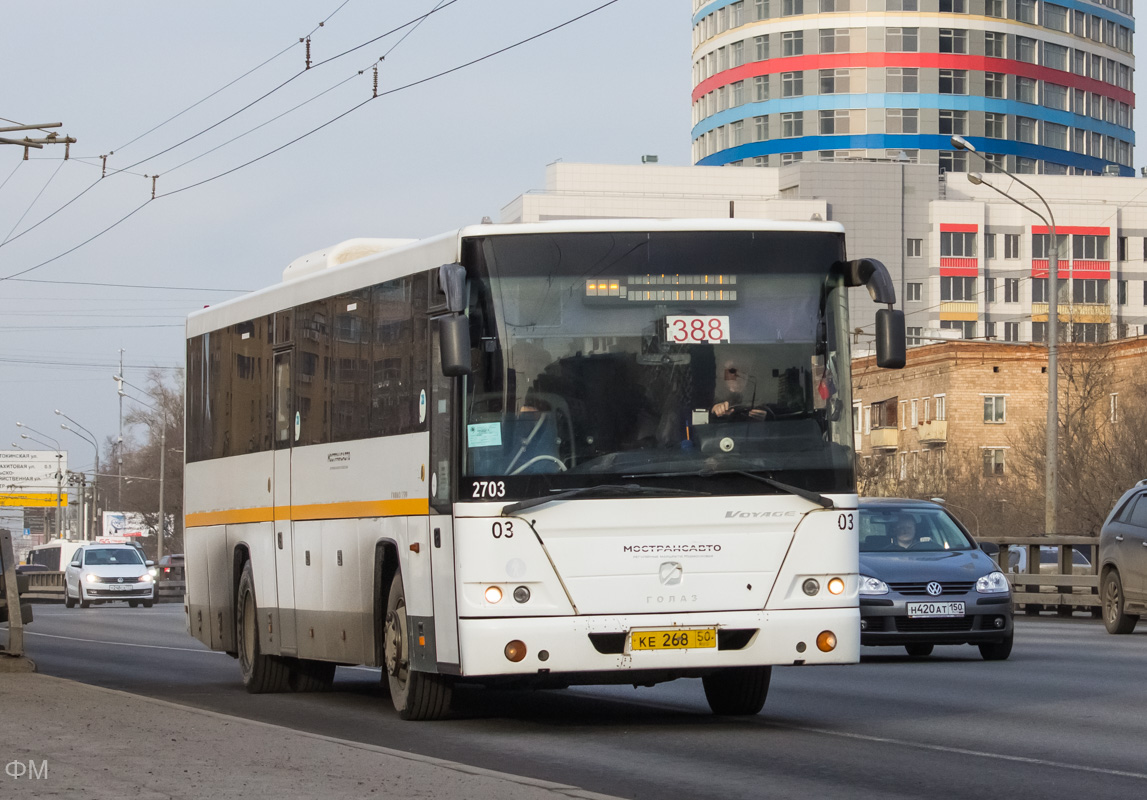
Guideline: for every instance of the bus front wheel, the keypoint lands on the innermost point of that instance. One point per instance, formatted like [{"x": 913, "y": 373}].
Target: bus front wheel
[
  {"x": 737, "y": 691},
  {"x": 416, "y": 695},
  {"x": 261, "y": 673}
]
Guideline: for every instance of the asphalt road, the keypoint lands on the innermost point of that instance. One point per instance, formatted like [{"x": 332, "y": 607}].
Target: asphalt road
[{"x": 1064, "y": 717}]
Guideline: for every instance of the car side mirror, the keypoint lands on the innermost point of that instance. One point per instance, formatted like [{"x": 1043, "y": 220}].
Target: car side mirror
[
  {"x": 991, "y": 548},
  {"x": 149, "y": 563}
]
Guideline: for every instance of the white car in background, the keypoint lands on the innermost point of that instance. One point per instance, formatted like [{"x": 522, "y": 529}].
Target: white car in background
[{"x": 105, "y": 573}]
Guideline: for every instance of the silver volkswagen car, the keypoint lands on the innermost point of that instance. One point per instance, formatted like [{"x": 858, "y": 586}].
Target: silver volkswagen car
[
  {"x": 102, "y": 573},
  {"x": 924, "y": 581}
]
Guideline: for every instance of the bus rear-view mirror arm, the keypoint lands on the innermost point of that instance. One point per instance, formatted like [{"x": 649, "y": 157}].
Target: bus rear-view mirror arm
[
  {"x": 891, "y": 345},
  {"x": 454, "y": 330}
]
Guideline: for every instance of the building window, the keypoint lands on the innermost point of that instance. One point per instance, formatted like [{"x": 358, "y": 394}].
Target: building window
[
  {"x": 792, "y": 43},
  {"x": 1026, "y": 130},
  {"x": 792, "y": 8},
  {"x": 995, "y": 84},
  {"x": 902, "y": 40},
  {"x": 953, "y": 122},
  {"x": 1055, "y": 56},
  {"x": 1055, "y": 96},
  {"x": 989, "y": 291},
  {"x": 1088, "y": 291},
  {"x": 915, "y": 414},
  {"x": 760, "y": 48},
  {"x": 1121, "y": 292},
  {"x": 953, "y": 81},
  {"x": 912, "y": 335},
  {"x": 1090, "y": 248},
  {"x": 1039, "y": 290},
  {"x": 834, "y": 81},
  {"x": 1011, "y": 245},
  {"x": 994, "y": 8},
  {"x": 1011, "y": 331},
  {"x": 993, "y": 462},
  {"x": 737, "y": 133},
  {"x": 994, "y": 44},
  {"x": 989, "y": 245},
  {"x": 903, "y": 80},
  {"x": 995, "y": 126},
  {"x": 957, "y": 245},
  {"x": 834, "y": 40},
  {"x": 954, "y": 6},
  {"x": 953, "y": 40},
  {"x": 912, "y": 291},
  {"x": 967, "y": 329},
  {"x": 738, "y": 93},
  {"x": 792, "y": 125},
  {"x": 760, "y": 129},
  {"x": 1011, "y": 290},
  {"x": 940, "y": 402},
  {"x": 995, "y": 408},
  {"x": 1055, "y": 135},
  {"x": 914, "y": 247},
  {"x": 1025, "y": 11},
  {"x": 1026, "y": 49},
  {"x": 1055, "y": 17},
  {"x": 791, "y": 158},
  {"x": 762, "y": 8},
  {"x": 792, "y": 84},
  {"x": 902, "y": 120},
  {"x": 903, "y": 5},
  {"x": 953, "y": 161},
  {"x": 955, "y": 289},
  {"x": 1090, "y": 331},
  {"x": 761, "y": 88},
  {"x": 1113, "y": 407},
  {"x": 1026, "y": 90}
]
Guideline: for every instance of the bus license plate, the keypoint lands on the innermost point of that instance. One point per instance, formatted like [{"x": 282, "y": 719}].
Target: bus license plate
[
  {"x": 673, "y": 639},
  {"x": 925, "y": 610}
]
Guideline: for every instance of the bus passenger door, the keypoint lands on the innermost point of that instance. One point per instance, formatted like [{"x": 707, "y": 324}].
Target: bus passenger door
[
  {"x": 284, "y": 539},
  {"x": 443, "y": 454}
]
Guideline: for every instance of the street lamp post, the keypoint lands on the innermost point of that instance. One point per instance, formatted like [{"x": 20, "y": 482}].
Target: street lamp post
[
  {"x": 90, "y": 518},
  {"x": 162, "y": 455},
  {"x": 1051, "y": 468}
]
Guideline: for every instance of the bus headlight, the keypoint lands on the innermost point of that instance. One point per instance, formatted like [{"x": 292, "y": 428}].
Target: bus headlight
[
  {"x": 836, "y": 586},
  {"x": 493, "y": 595}
]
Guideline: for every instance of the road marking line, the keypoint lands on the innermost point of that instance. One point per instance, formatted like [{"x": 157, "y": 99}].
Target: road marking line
[
  {"x": 1041, "y": 762},
  {"x": 126, "y": 644}
]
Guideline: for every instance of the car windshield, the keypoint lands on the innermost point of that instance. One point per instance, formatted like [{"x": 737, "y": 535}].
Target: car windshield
[
  {"x": 602, "y": 356},
  {"x": 909, "y": 528},
  {"x": 107, "y": 556}
]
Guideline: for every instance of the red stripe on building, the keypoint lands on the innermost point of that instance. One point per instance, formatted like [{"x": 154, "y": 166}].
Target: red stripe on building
[
  {"x": 1039, "y": 268},
  {"x": 960, "y": 267},
  {"x": 1091, "y": 269},
  {"x": 951, "y": 228},
  {"x": 1078, "y": 230},
  {"x": 925, "y": 60}
]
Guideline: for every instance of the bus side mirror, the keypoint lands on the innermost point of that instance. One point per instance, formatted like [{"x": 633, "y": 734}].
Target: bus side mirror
[
  {"x": 891, "y": 347},
  {"x": 454, "y": 343}
]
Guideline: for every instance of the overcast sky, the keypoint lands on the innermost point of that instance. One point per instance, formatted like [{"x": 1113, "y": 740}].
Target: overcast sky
[{"x": 608, "y": 88}]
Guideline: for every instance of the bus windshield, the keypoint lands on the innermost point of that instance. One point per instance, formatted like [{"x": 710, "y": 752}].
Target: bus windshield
[{"x": 660, "y": 357}]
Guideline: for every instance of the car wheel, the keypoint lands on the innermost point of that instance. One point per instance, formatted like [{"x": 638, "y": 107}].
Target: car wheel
[
  {"x": 69, "y": 601},
  {"x": 1114, "y": 618},
  {"x": 416, "y": 695},
  {"x": 737, "y": 691},
  {"x": 133, "y": 603},
  {"x": 919, "y": 650},
  {"x": 261, "y": 673},
  {"x": 997, "y": 651},
  {"x": 80, "y": 596}
]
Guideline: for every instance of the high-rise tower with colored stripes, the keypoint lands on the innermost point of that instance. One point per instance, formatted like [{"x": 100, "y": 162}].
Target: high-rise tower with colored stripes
[{"x": 1037, "y": 86}]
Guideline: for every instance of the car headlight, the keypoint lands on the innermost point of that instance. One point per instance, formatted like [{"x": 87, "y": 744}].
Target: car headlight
[
  {"x": 870, "y": 585},
  {"x": 993, "y": 583},
  {"x": 152, "y": 572},
  {"x": 90, "y": 578},
  {"x": 145, "y": 578}
]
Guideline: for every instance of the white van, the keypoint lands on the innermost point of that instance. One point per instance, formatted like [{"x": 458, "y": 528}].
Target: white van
[{"x": 54, "y": 555}]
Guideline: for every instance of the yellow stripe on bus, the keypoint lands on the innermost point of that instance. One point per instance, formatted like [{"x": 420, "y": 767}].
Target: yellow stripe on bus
[{"x": 349, "y": 510}]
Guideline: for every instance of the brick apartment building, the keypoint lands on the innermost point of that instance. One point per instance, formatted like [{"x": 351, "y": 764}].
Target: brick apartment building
[{"x": 966, "y": 419}]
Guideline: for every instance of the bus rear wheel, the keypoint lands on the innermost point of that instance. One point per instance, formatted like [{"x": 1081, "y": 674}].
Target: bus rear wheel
[
  {"x": 311, "y": 676},
  {"x": 261, "y": 673},
  {"x": 416, "y": 695},
  {"x": 737, "y": 691}
]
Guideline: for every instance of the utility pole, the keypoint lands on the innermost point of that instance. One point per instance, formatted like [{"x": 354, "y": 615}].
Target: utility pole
[{"x": 119, "y": 442}]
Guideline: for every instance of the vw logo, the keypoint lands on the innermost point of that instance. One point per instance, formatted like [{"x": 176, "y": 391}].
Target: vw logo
[
  {"x": 933, "y": 588},
  {"x": 670, "y": 573},
  {"x": 119, "y": 580}
]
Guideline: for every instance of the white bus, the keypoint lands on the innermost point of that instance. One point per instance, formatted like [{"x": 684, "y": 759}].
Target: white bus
[{"x": 544, "y": 454}]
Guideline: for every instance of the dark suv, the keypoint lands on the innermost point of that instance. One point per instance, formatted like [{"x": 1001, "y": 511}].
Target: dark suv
[{"x": 1123, "y": 561}]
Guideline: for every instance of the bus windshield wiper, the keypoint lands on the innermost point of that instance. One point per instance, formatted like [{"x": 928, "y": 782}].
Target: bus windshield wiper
[
  {"x": 788, "y": 488},
  {"x": 632, "y": 489}
]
